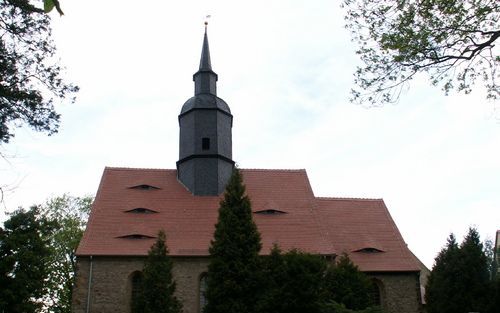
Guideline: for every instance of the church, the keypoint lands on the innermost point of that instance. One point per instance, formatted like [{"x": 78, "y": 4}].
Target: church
[{"x": 133, "y": 204}]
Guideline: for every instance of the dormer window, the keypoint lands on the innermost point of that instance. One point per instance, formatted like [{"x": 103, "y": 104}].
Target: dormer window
[
  {"x": 205, "y": 143},
  {"x": 144, "y": 187},
  {"x": 136, "y": 236},
  {"x": 270, "y": 212},
  {"x": 141, "y": 211},
  {"x": 369, "y": 250}
]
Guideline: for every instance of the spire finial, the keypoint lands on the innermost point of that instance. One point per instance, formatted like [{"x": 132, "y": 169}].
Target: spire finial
[
  {"x": 205, "y": 52},
  {"x": 206, "y": 22}
]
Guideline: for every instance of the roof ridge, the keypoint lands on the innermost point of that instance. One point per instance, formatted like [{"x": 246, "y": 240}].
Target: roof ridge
[
  {"x": 349, "y": 198},
  {"x": 273, "y": 169},
  {"x": 137, "y": 168}
]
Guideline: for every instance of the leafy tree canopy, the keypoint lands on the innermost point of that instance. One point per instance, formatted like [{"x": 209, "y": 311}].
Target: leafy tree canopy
[
  {"x": 334, "y": 307},
  {"x": 158, "y": 285},
  {"x": 233, "y": 279},
  {"x": 294, "y": 282},
  {"x": 48, "y": 5},
  {"x": 347, "y": 285},
  {"x": 37, "y": 255},
  {"x": 451, "y": 40},
  {"x": 24, "y": 261},
  {"x": 30, "y": 75},
  {"x": 70, "y": 214}
]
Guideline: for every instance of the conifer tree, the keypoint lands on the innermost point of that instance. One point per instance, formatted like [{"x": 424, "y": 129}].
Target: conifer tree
[
  {"x": 233, "y": 272},
  {"x": 475, "y": 274},
  {"x": 460, "y": 280},
  {"x": 158, "y": 285},
  {"x": 441, "y": 285}
]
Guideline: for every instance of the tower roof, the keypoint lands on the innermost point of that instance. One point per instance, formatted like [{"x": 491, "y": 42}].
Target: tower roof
[
  {"x": 205, "y": 80},
  {"x": 205, "y": 63}
]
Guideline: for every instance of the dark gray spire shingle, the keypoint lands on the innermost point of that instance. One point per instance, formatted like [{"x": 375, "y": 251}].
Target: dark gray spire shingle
[{"x": 205, "y": 64}]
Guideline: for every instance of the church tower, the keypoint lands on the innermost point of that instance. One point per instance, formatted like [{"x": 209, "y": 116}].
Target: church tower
[{"x": 205, "y": 146}]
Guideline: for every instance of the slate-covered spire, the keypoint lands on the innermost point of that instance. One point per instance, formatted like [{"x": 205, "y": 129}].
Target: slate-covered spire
[
  {"x": 205, "y": 64},
  {"x": 205, "y": 80}
]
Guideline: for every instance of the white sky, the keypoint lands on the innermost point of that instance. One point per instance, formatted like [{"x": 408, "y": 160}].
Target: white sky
[{"x": 285, "y": 68}]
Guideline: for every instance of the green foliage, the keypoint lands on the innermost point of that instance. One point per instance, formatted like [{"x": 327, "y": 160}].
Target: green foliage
[
  {"x": 233, "y": 280},
  {"x": 239, "y": 280},
  {"x": 334, "y": 307},
  {"x": 30, "y": 75},
  {"x": 294, "y": 282},
  {"x": 489, "y": 251},
  {"x": 48, "y": 5},
  {"x": 70, "y": 215},
  {"x": 451, "y": 40},
  {"x": 347, "y": 285},
  {"x": 158, "y": 285},
  {"x": 460, "y": 280},
  {"x": 24, "y": 261}
]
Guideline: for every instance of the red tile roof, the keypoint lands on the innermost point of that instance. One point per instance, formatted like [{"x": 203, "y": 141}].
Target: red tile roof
[
  {"x": 357, "y": 224},
  {"x": 318, "y": 225}
]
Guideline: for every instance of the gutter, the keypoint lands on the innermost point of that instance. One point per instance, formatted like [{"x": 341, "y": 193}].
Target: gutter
[{"x": 90, "y": 285}]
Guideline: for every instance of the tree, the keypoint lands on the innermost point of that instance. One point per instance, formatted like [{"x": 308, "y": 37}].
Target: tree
[
  {"x": 347, "y": 285},
  {"x": 441, "y": 286},
  {"x": 334, "y": 307},
  {"x": 233, "y": 279},
  {"x": 460, "y": 279},
  {"x": 48, "y": 5},
  {"x": 451, "y": 40},
  {"x": 294, "y": 282},
  {"x": 158, "y": 285},
  {"x": 24, "y": 259},
  {"x": 70, "y": 215},
  {"x": 31, "y": 78}
]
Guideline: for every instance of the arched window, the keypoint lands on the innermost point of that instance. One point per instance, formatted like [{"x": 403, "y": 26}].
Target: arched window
[
  {"x": 203, "y": 291},
  {"x": 377, "y": 292},
  {"x": 136, "y": 288}
]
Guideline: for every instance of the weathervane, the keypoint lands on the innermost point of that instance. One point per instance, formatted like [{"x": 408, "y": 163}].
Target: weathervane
[{"x": 206, "y": 21}]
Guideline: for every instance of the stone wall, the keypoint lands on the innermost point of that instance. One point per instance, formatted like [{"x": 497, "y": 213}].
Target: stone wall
[
  {"x": 400, "y": 292},
  {"x": 110, "y": 290}
]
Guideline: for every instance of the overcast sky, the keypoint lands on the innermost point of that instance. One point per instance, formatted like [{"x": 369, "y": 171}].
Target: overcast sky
[{"x": 285, "y": 68}]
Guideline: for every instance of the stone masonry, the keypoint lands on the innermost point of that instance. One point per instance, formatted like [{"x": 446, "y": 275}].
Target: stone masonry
[
  {"x": 110, "y": 288},
  {"x": 111, "y": 292},
  {"x": 400, "y": 292}
]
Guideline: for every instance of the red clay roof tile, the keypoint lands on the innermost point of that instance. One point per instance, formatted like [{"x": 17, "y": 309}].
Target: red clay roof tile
[{"x": 318, "y": 225}]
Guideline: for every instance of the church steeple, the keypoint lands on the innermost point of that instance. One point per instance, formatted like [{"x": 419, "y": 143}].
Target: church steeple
[
  {"x": 205, "y": 63},
  {"x": 205, "y": 145},
  {"x": 205, "y": 80}
]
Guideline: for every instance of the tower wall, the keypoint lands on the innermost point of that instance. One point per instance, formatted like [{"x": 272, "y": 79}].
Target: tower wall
[
  {"x": 205, "y": 151},
  {"x": 211, "y": 124},
  {"x": 205, "y": 176}
]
